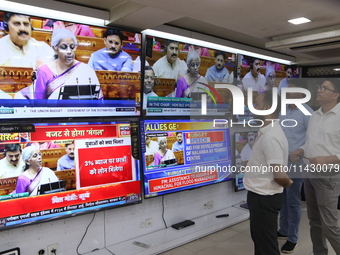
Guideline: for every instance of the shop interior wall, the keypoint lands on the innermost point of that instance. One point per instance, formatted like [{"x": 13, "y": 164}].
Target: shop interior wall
[{"x": 121, "y": 224}]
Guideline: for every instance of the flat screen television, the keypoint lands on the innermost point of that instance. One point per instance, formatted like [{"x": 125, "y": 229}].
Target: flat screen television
[
  {"x": 181, "y": 79},
  {"x": 102, "y": 77},
  {"x": 243, "y": 142},
  {"x": 71, "y": 168},
  {"x": 183, "y": 154},
  {"x": 260, "y": 75}
]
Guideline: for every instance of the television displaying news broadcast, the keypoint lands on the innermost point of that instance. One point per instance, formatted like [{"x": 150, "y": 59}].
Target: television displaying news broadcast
[
  {"x": 244, "y": 142},
  {"x": 261, "y": 75},
  {"x": 180, "y": 79},
  {"x": 56, "y": 170},
  {"x": 56, "y": 68},
  {"x": 183, "y": 154}
]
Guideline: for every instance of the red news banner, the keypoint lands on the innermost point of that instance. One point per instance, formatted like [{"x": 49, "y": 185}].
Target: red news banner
[
  {"x": 162, "y": 184},
  {"x": 103, "y": 158},
  {"x": 104, "y": 164},
  {"x": 103, "y": 152}
]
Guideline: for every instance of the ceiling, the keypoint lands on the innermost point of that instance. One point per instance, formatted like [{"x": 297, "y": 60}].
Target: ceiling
[{"x": 260, "y": 23}]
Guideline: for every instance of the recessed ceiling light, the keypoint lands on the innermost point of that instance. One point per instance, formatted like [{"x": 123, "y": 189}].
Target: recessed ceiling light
[
  {"x": 336, "y": 69},
  {"x": 299, "y": 21}
]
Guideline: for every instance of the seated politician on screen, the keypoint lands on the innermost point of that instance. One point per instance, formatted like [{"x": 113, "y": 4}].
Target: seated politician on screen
[
  {"x": 64, "y": 77},
  {"x": 34, "y": 174},
  {"x": 112, "y": 57}
]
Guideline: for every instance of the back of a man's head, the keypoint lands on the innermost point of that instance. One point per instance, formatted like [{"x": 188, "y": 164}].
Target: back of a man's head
[{"x": 268, "y": 100}]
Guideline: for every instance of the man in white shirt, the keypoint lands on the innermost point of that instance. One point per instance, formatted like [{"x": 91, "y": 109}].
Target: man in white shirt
[
  {"x": 322, "y": 149},
  {"x": 254, "y": 78},
  {"x": 11, "y": 165},
  {"x": 18, "y": 48},
  {"x": 264, "y": 178},
  {"x": 170, "y": 65}
]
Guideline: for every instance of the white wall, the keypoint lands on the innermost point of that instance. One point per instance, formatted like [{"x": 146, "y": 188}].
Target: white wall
[
  {"x": 121, "y": 224},
  {"x": 118, "y": 228}
]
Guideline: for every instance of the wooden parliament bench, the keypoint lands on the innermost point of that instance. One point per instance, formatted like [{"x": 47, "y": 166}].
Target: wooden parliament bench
[
  {"x": 164, "y": 86},
  {"x": 50, "y": 157},
  {"x": 114, "y": 84},
  {"x": 8, "y": 185}
]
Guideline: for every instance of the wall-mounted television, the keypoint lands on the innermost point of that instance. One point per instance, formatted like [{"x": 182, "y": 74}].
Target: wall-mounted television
[
  {"x": 53, "y": 170},
  {"x": 56, "y": 68},
  {"x": 181, "y": 78},
  {"x": 243, "y": 142},
  {"x": 183, "y": 154},
  {"x": 261, "y": 75}
]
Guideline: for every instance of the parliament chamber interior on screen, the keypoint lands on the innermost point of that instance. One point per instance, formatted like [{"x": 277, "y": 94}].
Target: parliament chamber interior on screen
[{"x": 124, "y": 162}]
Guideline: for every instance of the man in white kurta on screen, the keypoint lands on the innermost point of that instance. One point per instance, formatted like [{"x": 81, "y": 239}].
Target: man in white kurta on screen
[
  {"x": 12, "y": 164},
  {"x": 247, "y": 149},
  {"x": 170, "y": 65},
  {"x": 18, "y": 48}
]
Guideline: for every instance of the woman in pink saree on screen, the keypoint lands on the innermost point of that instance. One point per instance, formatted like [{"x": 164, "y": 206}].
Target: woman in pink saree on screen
[
  {"x": 163, "y": 154},
  {"x": 65, "y": 72},
  {"x": 34, "y": 174},
  {"x": 192, "y": 84}
]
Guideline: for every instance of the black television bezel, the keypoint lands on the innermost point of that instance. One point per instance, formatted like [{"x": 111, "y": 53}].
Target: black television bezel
[
  {"x": 71, "y": 214},
  {"x": 144, "y": 50},
  {"x": 142, "y": 58},
  {"x": 142, "y": 161}
]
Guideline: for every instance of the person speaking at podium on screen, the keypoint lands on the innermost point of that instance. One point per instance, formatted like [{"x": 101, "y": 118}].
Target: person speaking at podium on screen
[
  {"x": 163, "y": 155},
  {"x": 65, "y": 71},
  {"x": 34, "y": 174},
  {"x": 192, "y": 84}
]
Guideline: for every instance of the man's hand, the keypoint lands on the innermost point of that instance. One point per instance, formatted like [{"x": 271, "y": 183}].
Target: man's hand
[
  {"x": 296, "y": 155},
  {"x": 280, "y": 177}
]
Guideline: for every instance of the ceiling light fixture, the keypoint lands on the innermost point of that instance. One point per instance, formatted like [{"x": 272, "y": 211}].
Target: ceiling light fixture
[
  {"x": 299, "y": 21},
  {"x": 336, "y": 69},
  {"x": 52, "y": 14}
]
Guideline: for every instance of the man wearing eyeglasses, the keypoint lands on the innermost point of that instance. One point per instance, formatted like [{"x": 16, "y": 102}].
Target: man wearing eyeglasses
[
  {"x": 170, "y": 66},
  {"x": 18, "y": 48},
  {"x": 322, "y": 188},
  {"x": 112, "y": 57}
]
